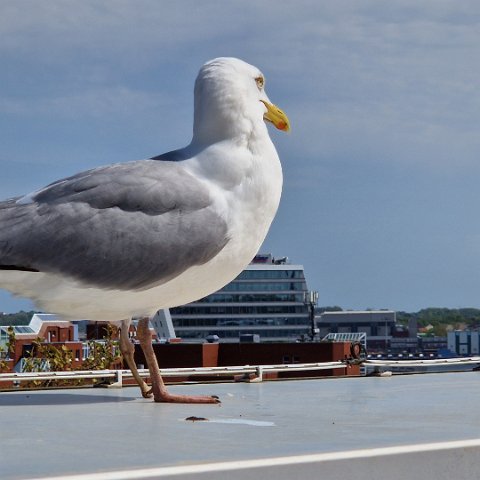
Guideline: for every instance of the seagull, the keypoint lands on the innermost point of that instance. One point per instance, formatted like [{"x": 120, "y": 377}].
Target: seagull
[{"x": 124, "y": 240}]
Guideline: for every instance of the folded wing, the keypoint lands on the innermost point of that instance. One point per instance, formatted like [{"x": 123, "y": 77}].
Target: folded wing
[{"x": 125, "y": 226}]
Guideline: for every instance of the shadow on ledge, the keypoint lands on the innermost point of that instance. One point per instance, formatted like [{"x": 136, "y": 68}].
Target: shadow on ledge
[{"x": 14, "y": 399}]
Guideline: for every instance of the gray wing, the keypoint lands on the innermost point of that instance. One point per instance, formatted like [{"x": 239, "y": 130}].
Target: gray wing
[{"x": 124, "y": 226}]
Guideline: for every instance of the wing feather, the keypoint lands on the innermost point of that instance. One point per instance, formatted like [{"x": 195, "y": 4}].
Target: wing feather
[{"x": 124, "y": 226}]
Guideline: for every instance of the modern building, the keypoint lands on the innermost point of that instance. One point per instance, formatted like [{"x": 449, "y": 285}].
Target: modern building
[
  {"x": 377, "y": 324},
  {"x": 432, "y": 344},
  {"x": 268, "y": 299},
  {"x": 50, "y": 328},
  {"x": 464, "y": 342}
]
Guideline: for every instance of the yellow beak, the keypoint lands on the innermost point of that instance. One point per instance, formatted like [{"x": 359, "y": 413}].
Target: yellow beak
[{"x": 276, "y": 116}]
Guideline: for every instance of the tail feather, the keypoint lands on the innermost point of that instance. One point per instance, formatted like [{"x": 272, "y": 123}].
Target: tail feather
[{"x": 18, "y": 268}]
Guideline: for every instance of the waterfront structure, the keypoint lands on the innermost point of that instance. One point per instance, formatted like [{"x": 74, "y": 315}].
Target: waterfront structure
[
  {"x": 405, "y": 344},
  {"x": 464, "y": 342},
  {"x": 377, "y": 324},
  {"x": 268, "y": 299},
  {"x": 432, "y": 344}
]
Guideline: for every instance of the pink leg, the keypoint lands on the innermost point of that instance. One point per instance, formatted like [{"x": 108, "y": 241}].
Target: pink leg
[
  {"x": 160, "y": 392},
  {"x": 128, "y": 349}
]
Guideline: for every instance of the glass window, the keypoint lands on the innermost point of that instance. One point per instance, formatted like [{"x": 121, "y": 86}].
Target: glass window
[
  {"x": 264, "y": 286},
  {"x": 270, "y": 274},
  {"x": 238, "y": 310},
  {"x": 226, "y": 297}
]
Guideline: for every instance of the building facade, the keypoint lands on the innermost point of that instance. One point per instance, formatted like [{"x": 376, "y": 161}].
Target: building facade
[
  {"x": 267, "y": 299},
  {"x": 464, "y": 342},
  {"x": 378, "y": 325},
  {"x": 49, "y": 328}
]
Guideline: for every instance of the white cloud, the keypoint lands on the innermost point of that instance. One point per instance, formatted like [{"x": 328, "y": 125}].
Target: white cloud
[{"x": 387, "y": 76}]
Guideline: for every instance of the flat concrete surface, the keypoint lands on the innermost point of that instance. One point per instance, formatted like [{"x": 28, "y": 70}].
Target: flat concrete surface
[{"x": 82, "y": 431}]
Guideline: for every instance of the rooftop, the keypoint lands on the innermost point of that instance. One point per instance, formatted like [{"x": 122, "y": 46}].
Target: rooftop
[
  {"x": 357, "y": 312},
  {"x": 36, "y": 323},
  {"x": 89, "y": 431}
]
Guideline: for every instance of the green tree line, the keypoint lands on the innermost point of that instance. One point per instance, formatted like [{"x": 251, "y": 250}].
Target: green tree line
[{"x": 13, "y": 319}]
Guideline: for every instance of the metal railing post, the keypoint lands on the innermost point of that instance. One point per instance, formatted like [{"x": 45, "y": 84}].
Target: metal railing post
[{"x": 118, "y": 379}]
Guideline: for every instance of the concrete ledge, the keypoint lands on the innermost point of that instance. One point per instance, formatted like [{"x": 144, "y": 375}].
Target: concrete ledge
[{"x": 433, "y": 461}]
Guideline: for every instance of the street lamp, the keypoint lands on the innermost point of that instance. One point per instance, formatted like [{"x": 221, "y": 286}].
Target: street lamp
[{"x": 310, "y": 299}]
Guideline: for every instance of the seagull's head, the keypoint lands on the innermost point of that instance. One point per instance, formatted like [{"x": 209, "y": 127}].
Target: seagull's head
[{"x": 230, "y": 101}]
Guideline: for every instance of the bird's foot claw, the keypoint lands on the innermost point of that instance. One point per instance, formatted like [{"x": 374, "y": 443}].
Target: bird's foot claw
[{"x": 148, "y": 393}]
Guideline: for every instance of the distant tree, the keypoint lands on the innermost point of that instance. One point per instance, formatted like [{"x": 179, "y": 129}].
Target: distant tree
[
  {"x": 19, "y": 318},
  {"x": 103, "y": 355},
  {"x": 440, "y": 330}
]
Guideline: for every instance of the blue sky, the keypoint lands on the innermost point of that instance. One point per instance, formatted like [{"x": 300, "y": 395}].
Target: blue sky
[{"x": 382, "y": 165}]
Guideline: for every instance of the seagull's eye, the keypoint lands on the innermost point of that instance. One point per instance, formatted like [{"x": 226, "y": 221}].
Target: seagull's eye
[{"x": 260, "y": 82}]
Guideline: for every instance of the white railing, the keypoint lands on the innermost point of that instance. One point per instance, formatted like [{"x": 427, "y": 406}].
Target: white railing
[
  {"x": 438, "y": 362},
  {"x": 258, "y": 371},
  {"x": 118, "y": 375}
]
